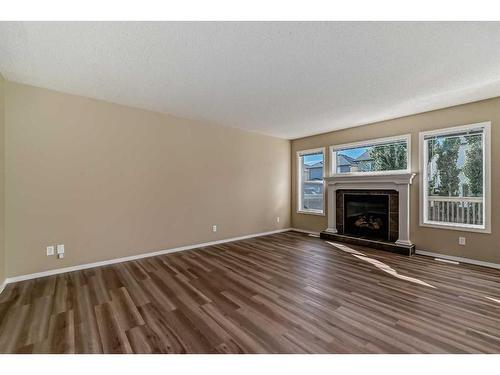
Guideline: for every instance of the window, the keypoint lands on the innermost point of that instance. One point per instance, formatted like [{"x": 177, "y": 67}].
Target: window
[
  {"x": 311, "y": 164},
  {"x": 372, "y": 157},
  {"x": 455, "y": 167}
]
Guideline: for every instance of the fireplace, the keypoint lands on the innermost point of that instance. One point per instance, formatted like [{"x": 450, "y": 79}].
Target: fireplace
[
  {"x": 370, "y": 210},
  {"x": 367, "y": 216}
]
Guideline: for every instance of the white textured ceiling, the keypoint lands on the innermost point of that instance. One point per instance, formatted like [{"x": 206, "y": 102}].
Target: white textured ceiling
[{"x": 287, "y": 79}]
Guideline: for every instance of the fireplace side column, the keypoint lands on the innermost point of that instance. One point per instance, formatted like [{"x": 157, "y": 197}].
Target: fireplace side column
[
  {"x": 404, "y": 215},
  {"x": 332, "y": 208}
]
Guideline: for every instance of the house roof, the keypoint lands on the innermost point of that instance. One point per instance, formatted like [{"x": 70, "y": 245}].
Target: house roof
[
  {"x": 364, "y": 156},
  {"x": 315, "y": 165},
  {"x": 345, "y": 160}
]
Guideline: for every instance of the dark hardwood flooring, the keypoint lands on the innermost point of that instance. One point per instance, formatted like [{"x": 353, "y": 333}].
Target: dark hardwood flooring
[{"x": 284, "y": 293}]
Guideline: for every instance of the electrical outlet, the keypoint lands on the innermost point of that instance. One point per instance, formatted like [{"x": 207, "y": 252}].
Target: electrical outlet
[
  {"x": 214, "y": 228},
  {"x": 60, "y": 249},
  {"x": 50, "y": 250},
  {"x": 277, "y": 219},
  {"x": 461, "y": 241}
]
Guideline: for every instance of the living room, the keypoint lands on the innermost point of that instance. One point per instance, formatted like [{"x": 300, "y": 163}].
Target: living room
[{"x": 249, "y": 187}]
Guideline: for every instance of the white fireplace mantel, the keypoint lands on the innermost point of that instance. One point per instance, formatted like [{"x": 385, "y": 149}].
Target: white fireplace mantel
[{"x": 400, "y": 182}]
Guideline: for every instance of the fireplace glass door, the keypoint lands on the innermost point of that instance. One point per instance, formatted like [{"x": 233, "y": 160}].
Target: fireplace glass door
[{"x": 367, "y": 216}]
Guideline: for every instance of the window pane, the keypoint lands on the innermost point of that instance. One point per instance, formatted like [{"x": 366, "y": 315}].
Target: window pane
[
  {"x": 311, "y": 182},
  {"x": 371, "y": 158},
  {"x": 454, "y": 178}
]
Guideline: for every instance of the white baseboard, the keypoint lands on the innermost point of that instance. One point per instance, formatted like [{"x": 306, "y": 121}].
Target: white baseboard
[
  {"x": 458, "y": 259},
  {"x": 135, "y": 257},
  {"x": 304, "y": 231}
]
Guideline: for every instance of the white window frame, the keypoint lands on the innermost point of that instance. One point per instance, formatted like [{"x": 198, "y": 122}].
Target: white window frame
[
  {"x": 367, "y": 143},
  {"x": 299, "y": 184},
  {"x": 486, "y": 227}
]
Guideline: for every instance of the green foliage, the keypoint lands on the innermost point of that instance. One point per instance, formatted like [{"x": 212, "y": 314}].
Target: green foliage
[
  {"x": 432, "y": 180},
  {"x": 433, "y": 184},
  {"x": 473, "y": 167},
  {"x": 389, "y": 157},
  {"x": 448, "y": 171}
]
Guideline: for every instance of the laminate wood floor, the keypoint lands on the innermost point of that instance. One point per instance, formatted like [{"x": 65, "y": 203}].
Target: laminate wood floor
[{"x": 283, "y": 293}]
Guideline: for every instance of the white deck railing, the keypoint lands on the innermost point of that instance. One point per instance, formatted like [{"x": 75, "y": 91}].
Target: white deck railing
[{"x": 461, "y": 210}]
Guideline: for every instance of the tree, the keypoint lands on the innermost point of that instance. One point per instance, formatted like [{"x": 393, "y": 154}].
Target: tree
[
  {"x": 432, "y": 176},
  {"x": 389, "y": 157},
  {"x": 448, "y": 171},
  {"x": 473, "y": 166}
]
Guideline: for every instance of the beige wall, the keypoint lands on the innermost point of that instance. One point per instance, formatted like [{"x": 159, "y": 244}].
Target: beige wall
[
  {"x": 2, "y": 181},
  {"x": 485, "y": 247},
  {"x": 111, "y": 181}
]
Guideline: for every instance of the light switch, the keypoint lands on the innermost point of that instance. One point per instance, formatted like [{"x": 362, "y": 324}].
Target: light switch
[{"x": 60, "y": 249}]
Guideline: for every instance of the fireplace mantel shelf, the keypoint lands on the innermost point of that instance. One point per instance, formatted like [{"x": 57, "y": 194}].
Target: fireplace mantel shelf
[
  {"x": 395, "y": 178},
  {"x": 400, "y": 182}
]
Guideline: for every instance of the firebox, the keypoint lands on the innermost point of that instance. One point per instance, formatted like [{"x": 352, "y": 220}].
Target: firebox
[{"x": 367, "y": 216}]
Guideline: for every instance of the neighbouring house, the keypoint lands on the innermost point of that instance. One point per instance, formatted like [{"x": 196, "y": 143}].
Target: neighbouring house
[
  {"x": 364, "y": 161},
  {"x": 314, "y": 171},
  {"x": 346, "y": 164},
  {"x": 313, "y": 186}
]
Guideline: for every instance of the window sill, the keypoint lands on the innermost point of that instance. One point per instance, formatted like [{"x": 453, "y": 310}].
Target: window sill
[
  {"x": 456, "y": 227},
  {"x": 317, "y": 213}
]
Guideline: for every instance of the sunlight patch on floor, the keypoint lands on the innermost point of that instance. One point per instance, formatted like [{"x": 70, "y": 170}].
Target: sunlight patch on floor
[
  {"x": 493, "y": 299},
  {"x": 345, "y": 248},
  {"x": 380, "y": 265}
]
